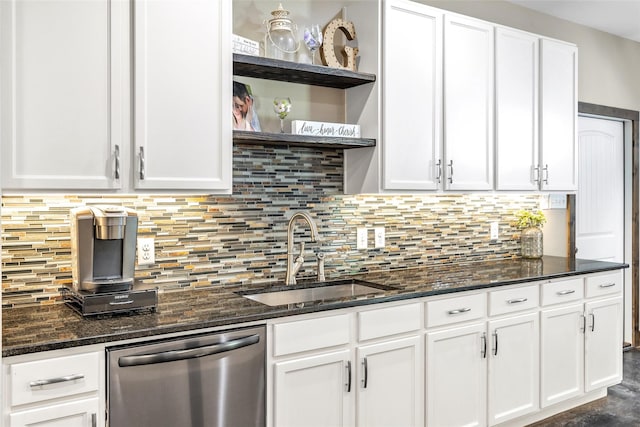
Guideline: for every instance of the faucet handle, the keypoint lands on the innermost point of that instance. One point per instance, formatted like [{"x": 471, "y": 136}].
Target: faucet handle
[{"x": 320, "y": 257}]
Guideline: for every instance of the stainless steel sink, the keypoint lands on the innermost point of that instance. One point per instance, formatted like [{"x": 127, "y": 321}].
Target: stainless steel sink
[{"x": 320, "y": 291}]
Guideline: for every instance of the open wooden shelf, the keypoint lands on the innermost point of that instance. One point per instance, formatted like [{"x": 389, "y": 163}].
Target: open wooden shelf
[
  {"x": 293, "y": 72},
  {"x": 287, "y": 139}
]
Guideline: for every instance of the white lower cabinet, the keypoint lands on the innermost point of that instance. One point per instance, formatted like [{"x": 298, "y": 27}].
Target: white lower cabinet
[
  {"x": 314, "y": 390},
  {"x": 389, "y": 383},
  {"x": 456, "y": 373},
  {"x": 507, "y": 356},
  {"x": 603, "y": 343},
  {"x": 561, "y": 354},
  {"x": 581, "y": 342},
  {"x": 78, "y": 413},
  {"x": 58, "y": 389},
  {"x": 500, "y": 356},
  {"x": 513, "y": 367},
  {"x": 373, "y": 379}
]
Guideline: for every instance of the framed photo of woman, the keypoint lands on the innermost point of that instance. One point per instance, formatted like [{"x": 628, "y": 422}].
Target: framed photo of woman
[{"x": 245, "y": 116}]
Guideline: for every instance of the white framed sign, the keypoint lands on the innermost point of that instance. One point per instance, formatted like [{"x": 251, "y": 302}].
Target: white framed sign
[{"x": 338, "y": 130}]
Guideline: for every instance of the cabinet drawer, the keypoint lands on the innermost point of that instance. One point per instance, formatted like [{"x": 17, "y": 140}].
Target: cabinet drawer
[
  {"x": 311, "y": 334},
  {"x": 454, "y": 310},
  {"x": 68, "y": 414},
  {"x": 603, "y": 284},
  {"x": 562, "y": 291},
  {"x": 53, "y": 378},
  {"x": 388, "y": 321},
  {"x": 510, "y": 300}
]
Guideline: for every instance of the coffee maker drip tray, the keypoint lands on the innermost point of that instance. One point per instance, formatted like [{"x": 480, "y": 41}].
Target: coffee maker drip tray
[{"x": 131, "y": 301}]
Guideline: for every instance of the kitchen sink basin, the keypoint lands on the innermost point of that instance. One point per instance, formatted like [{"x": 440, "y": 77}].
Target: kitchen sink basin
[{"x": 319, "y": 291}]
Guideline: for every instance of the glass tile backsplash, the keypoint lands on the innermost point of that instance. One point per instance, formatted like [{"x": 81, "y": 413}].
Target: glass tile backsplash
[{"x": 241, "y": 238}]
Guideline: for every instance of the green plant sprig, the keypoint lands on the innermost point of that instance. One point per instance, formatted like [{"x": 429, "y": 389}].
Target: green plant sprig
[{"x": 526, "y": 219}]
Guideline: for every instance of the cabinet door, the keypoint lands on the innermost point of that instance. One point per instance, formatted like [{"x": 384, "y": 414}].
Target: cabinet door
[
  {"x": 314, "y": 391},
  {"x": 78, "y": 413},
  {"x": 603, "y": 343},
  {"x": 468, "y": 104},
  {"x": 64, "y": 92},
  {"x": 558, "y": 115},
  {"x": 513, "y": 367},
  {"x": 412, "y": 68},
  {"x": 390, "y": 384},
  {"x": 457, "y": 376},
  {"x": 561, "y": 354},
  {"x": 183, "y": 97},
  {"x": 516, "y": 110}
]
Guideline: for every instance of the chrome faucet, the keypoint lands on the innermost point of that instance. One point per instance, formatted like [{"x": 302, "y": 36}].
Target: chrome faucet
[{"x": 293, "y": 265}]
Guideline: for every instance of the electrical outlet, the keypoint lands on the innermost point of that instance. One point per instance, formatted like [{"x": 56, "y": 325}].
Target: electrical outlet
[
  {"x": 378, "y": 237},
  {"x": 361, "y": 238},
  {"x": 494, "y": 230},
  {"x": 146, "y": 251}
]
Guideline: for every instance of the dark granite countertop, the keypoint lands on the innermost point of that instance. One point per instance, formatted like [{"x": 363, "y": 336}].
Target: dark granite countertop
[{"x": 35, "y": 329}]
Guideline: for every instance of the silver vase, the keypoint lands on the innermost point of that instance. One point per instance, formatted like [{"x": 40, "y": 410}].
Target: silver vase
[{"x": 531, "y": 242}]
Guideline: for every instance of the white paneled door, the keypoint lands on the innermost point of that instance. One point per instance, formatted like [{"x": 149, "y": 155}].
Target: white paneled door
[{"x": 600, "y": 197}]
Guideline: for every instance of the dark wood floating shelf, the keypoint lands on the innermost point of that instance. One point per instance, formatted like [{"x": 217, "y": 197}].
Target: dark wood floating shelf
[
  {"x": 287, "y": 139},
  {"x": 292, "y": 72}
]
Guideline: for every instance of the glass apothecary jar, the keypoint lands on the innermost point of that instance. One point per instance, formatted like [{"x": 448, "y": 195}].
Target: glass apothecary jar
[
  {"x": 280, "y": 41},
  {"x": 531, "y": 242}
]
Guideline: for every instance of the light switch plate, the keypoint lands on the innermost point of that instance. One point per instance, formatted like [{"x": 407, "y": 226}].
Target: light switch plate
[
  {"x": 557, "y": 201},
  {"x": 378, "y": 238},
  {"x": 146, "y": 251},
  {"x": 361, "y": 238},
  {"x": 494, "y": 230}
]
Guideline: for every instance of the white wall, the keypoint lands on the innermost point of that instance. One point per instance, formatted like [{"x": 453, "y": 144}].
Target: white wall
[{"x": 608, "y": 65}]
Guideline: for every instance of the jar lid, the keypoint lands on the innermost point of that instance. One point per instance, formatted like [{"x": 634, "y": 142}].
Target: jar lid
[{"x": 280, "y": 19}]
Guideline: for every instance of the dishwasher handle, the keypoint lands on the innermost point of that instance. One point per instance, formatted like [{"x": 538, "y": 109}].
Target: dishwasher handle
[{"x": 192, "y": 353}]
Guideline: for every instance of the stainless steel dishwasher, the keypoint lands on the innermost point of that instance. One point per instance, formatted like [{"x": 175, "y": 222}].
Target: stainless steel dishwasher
[{"x": 210, "y": 380}]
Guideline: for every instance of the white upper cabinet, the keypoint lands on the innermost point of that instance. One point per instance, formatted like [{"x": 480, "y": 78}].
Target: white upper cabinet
[
  {"x": 64, "y": 89},
  {"x": 558, "y": 115},
  {"x": 535, "y": 122},
  {"x": 464, "y": 105},
  {"x": 412, "y": 93},
  {"x": 516, "y": 110},
  {"x": 468, "y": 103},
  {"x": 182, "y": 92},
  {"x": 66, "y": 80}
]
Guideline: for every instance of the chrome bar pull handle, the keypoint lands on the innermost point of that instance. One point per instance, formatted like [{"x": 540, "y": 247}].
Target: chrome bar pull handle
[
  {"x": 593, "y": 321},
  {"x": 566, "y": 292},
  {"x": 459, "y": 311},
  {"x": 187, "y": 354},
  {"x": 483, "y": 339},
  {"x": 607, "y": 285},
  {"x": 56, "y": 380},
  {"x": 116, "y": 173},
  {"x": 439, "y": 171},
  {"x": 142, "y": 165},
  {"x": 583, "y": 329},
  {"x": 450, "y": 166},
  {"x": 348, "y": 383},
  {"x": 516, "y": 300},
  {"x": 495, "y": 342},
  {"x": 94, "y": 420},
  {"x": 545, "y": 169},
  {"x": 365, "y": 368},
  {"x": 536, "y": 174}
]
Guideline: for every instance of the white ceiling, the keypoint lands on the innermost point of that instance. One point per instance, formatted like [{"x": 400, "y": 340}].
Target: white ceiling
[{"x": 619, "y": 17}]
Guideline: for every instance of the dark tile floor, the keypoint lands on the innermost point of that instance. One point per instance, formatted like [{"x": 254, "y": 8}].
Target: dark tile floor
[{"x": 621, "y": 407}]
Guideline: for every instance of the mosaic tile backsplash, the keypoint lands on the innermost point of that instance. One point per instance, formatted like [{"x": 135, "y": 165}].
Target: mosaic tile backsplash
[{"x": 241, "y": 239}]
